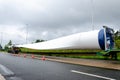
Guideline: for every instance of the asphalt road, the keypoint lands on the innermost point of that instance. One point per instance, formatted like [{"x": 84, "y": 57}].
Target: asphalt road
[{"x": 18, "y": 68}]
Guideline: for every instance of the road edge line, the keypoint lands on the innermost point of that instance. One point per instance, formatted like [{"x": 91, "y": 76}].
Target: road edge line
[{"x": 1, "y": 77}]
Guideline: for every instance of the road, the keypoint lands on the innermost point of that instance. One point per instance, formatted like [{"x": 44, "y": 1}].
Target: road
[{"x": 20, "y": 68}]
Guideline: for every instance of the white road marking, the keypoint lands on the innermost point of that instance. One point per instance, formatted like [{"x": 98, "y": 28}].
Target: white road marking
[
  {"x": 93, "y": 75},
  {"x": 1, "y": 77},
  {"x": 4, "y": 70},
  {"x": 8, "y": 73}
]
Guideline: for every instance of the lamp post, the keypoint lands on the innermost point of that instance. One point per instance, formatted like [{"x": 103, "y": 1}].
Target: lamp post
[
  {"x": 26, "y": 33},
  {"x": 1, "y": 41},
  {"x": 92, "y": 13},
  {"x": 1, "y": 38},
  {"x": 26, "y": 36}
]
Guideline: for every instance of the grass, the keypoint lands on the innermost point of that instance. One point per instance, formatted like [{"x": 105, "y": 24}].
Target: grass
[
  {"x": 59, "y": 51},
  {"x": 71, "y": 53}
]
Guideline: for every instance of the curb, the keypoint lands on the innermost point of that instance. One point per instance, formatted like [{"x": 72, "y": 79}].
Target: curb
[
  {"x": 91, "y": 65},
  {"x": 85, "y": 62}
]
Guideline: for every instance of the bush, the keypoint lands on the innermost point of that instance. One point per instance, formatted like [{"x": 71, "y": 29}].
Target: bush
[{"x": 117, "y": 44}]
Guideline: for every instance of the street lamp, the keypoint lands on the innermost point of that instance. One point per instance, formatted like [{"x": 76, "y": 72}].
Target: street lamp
[
  {"x": 26, "y": 33},
  {"x": 1, "y": 41},
  {"x": 92, "y": 13},
  {"x": 26, "y": 36},
  {"x": 1, "y": 38}
]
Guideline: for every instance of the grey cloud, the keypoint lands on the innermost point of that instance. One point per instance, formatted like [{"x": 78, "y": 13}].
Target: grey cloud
[{"x": 48, "y": 19}]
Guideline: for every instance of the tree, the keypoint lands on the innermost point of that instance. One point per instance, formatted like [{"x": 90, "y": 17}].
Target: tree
[
  {"x": 38, "y": 40},
  {"x": 117, "y": 39},
  {"x": 117, "y": 43},
  {"x": 0, "y": 47},
  {"x": 8, "y": 45}
]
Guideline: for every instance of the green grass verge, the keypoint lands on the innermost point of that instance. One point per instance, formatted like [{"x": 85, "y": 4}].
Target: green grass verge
[
  {"x": 70, "y": 53},
  {"x": 58, "y": 51}
]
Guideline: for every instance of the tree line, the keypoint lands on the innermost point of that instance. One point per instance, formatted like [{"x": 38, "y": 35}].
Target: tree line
[
  {"x": 6, "y": 47},
  {"x": 117, "y": 39}
]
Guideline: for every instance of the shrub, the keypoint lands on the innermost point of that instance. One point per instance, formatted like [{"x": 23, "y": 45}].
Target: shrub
[{"x": 117, "y": 44}]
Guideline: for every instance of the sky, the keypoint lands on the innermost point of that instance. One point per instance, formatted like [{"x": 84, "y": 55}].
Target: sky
[{"x": 24, "y": 21}]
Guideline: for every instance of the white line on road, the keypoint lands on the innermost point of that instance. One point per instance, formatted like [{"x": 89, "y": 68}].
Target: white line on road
[
  {"x": 88, "y": 74},
  {"x": 4, "y": 70},
  {"x": 1, "y": 77}
]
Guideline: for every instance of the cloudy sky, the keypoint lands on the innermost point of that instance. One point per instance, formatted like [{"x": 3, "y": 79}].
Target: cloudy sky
[{"x": 50, "y": 19}]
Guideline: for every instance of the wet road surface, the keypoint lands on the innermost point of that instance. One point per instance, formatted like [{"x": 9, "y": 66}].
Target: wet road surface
[{"x": 32, "y": 69}]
